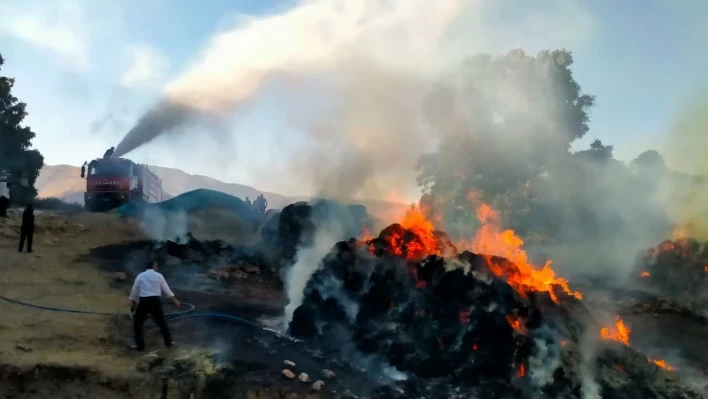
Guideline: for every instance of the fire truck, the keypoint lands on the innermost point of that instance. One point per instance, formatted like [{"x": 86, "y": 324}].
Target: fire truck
[{"x": 112, "y": 182}]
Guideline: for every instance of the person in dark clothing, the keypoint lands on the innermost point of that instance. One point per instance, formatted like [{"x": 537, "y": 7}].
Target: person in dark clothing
[
  {"x": 248, "y": 202},
  {"x": 145, "y": 299},
  {"x": 27, "y": 228},
  {"x": 4, "y": 194},
  {"x": 109, "y": 153},
  {"x": 4, "y": 204},
  {"x": 260, "y": 205}
]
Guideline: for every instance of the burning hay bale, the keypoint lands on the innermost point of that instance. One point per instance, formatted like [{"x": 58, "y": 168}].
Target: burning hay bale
[
  {"x": 461, "y": 325},
  {"x": 677, "y": 268},
  {"x": 428, "y": 318}
]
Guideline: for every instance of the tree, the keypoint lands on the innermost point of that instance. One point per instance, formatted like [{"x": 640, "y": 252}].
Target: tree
[
  {"x": 505, "y": 125},
  {"x": 16, "y": 155},
  {"x": 598, "y": 153},
  {"x": 650, "y": 162}
]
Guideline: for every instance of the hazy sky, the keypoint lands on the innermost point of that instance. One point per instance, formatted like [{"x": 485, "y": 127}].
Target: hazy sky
[{"x": 87, "y": 69}]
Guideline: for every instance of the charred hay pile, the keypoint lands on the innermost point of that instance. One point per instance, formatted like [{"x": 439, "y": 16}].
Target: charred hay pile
[
  {"x": 283, "y": 232},
  {"x": 457, "y": 329},
  {"x": 678, "y": 268}
]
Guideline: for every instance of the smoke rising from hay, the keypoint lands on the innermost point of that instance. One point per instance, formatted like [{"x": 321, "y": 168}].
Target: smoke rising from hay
[
  {"x": 685, "y": 193},
  {"x": 160, "y": 225},
  {"x": 308, "y": 260}
]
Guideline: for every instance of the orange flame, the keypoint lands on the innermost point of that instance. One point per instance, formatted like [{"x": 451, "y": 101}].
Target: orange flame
[
  {"x": 522, "y": 371},
  {"x": 644, "y": 274},
  {"x": 492, "y": 240},
  {"x": 415, "y": 221},
  {"x": 705, "y": 269},
  {"x": 517, "y": 323},
  {"x": 661, "y": 363},
  {"x": 619, "y": 332},
  {"x": 679, "y": 233},
  {"x": 366, "y": 235}
]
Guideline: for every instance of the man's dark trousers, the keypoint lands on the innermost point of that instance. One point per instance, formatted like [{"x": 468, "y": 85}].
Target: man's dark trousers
[
  {"x": 150, "y": 305},
  {"x": 26, "y": 233},
  {"x": 4, "y": 204}
]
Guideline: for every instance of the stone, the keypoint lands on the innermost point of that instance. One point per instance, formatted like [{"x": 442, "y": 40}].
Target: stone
[
  {"x": 289, "y": 364},
  {"x": 119, "y": 276},
  {"x": 329, "y": 374},
  {"x": 149, "y": 362},
  {"x": 288, "y": 374},
  {"x": 317, "y": 386},
  {"x": 250, "y": 269},
  {"x": 239, "y": 275},
  {"x": 23, "y": 348},
  {"x": 303, "y": 377}
]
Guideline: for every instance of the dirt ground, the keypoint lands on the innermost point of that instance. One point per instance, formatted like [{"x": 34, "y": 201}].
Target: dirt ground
[
  {"x": 74, "y": 264},
  {"x": 56, "y": 274}
]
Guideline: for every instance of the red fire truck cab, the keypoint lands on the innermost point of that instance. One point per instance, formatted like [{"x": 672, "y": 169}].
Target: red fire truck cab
[{"x": 112, "y": 182}]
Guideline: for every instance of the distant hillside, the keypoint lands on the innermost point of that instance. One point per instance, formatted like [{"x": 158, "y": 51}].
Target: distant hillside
[
  {"x": 64, "y": 181},
  {"x": 61, "y": 181},
  {"x": 175, "y": 182}
]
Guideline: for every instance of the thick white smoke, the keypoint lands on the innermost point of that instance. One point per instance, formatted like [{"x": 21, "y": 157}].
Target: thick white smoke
[
  {"x": 375, "y": 60},
  {"x": 162, "y": 226},
  {"x": 307, "y": 262},
  {"x": 313, "y": 37},
  {"x": 352, "y": 76}
]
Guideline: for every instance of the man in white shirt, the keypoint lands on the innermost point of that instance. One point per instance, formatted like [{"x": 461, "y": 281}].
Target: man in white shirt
[{"x": 145, "y": 298}]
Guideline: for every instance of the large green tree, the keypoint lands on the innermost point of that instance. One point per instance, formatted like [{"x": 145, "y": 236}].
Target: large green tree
[
  {"x": 506, "y": 125},
  {"x": 16, "y": 154}
]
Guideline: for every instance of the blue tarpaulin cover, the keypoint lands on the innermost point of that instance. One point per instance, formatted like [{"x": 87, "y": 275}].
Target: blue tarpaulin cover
[{"x": 193, "y": 201}]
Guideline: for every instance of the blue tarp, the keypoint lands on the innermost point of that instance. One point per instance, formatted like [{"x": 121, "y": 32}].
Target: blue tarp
[{"x": 193, "y": 201}]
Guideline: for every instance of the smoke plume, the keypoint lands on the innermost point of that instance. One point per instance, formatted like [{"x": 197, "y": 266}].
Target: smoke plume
[
  {"x": 308, "y": 260},
  {"x": 372, "y": 62},
  {"x": 160, "y": 225},
  {"x": 685, "y": 193},
  {"x": 159, "y": 120},
  {"x": 313, "y": 37}
]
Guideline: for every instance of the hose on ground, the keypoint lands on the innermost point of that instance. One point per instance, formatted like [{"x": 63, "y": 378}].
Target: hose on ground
[
  {"x": 190, "y": 308},
  {"x": 171, "y": 316}
]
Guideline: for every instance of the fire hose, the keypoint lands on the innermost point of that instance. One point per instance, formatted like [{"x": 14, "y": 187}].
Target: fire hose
[{"x": 179, "y": 315}]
